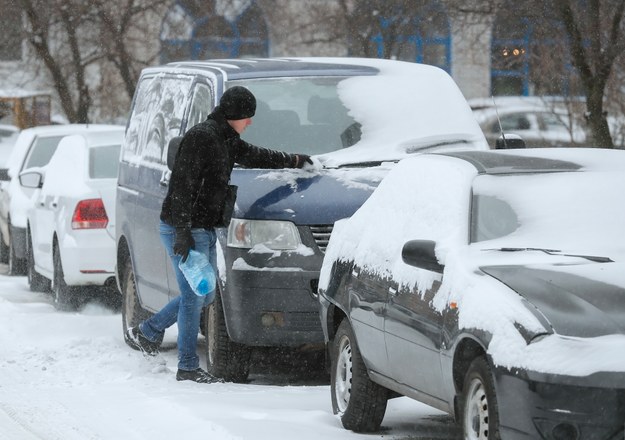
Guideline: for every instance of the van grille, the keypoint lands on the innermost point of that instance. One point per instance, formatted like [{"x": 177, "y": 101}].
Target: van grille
[{"x": 321, "y": 234}]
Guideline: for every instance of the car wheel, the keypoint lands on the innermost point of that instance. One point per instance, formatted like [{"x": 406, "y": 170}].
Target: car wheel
[
  {"x": 17, "y": 266},
  {"x": 64, "y": 296},
  {"x": 224, "y": 358},
  {"x": 37, "y": 282},
  {"x": 132, "y": 312},
  {"x": 4, "y": 250},
  {"x": 360, "y": 402},
  {"x": 480, "y": 416}
]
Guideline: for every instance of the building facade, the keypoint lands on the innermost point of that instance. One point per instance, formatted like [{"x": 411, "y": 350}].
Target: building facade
[{"x": 485, "y": 53}]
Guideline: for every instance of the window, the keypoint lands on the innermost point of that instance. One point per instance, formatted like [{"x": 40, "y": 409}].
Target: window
[
  {"x": 104, "y": 162},
  {"x": 491, "y": 218},
  {"x": 423, "y": 38},
  {"x": 201, "y": 105},
  {"x": 194, "y": 31},
  {"x": 11, "y": 25},
  {"x": 41, "y": 151},
  {"x": 156, "y": 117},
  {"x": 529, "y": 56}
]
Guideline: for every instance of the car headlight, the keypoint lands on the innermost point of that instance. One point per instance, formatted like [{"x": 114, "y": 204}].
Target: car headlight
[{"x": 276, "y": 235}]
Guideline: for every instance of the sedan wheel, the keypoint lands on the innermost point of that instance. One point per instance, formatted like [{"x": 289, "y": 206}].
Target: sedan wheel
[
  {"x": 480, "y": 418},
  {"x": 360, "y": 402},
  {"x": 37, "y": 282},
  {"x": 4, "y": 250},
  {"x": 64, "y": 296}
]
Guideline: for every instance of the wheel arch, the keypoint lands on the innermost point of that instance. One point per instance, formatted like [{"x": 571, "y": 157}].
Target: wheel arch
[{"x": 466, "y": 351}]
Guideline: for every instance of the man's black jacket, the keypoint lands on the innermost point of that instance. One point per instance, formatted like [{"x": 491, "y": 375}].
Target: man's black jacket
[{"x": 204, "y": 161}]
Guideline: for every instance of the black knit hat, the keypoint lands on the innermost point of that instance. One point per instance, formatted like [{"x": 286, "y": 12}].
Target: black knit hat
[{"x": 238, "y": 103}]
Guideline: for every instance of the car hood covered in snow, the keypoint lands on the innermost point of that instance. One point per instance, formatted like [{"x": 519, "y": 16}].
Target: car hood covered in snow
[{"x": 580, "y": 300}]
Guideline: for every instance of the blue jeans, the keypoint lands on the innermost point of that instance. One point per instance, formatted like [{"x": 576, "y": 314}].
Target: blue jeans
[{"x": 186, "y": 307}]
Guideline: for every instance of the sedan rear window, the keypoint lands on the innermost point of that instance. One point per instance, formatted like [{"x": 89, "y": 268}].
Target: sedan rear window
[{"x": 103, "y": 162}]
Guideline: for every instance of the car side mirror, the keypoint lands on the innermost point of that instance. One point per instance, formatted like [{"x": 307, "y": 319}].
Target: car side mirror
[
  {"x": 420, "y": 253},
  {"x": 172, "y": 150},
  {"x": 31, "y": 179},
  {"x": 4, "y": 175},
  {"x": 510, "y": 141}
]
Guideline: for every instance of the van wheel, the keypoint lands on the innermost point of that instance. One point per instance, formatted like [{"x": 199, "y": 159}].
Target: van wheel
[
  {"x": 65, "y": 297},
  {"x": 37, "y": 283},
  {"x": 224, "y": 358},
  {"x": 132, "y": 312},
  {"x": 480, "y": 416},
  {"x": 359, "y": 402}
]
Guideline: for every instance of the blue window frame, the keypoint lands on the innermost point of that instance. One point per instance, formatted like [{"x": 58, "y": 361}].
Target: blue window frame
[
  {"x": 528, "y": 58},
  {"x": 426, "y": 39},
  {"x": 187, "y": 36}
]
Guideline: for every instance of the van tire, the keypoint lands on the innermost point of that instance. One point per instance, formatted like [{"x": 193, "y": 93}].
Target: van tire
[
  {"x": 132, "y": 312},
  {"x": 224, "y": 358}
]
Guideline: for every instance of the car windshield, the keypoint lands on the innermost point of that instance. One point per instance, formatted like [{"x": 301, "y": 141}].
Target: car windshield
[
  {"x": 580, "y": 210},
  {"x": 369, "y": 118},
  {"x": 301, "y": 114}
]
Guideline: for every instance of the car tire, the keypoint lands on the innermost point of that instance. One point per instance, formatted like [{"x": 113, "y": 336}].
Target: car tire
[
  {"x": 359, "y": 402},
  {"x": 37, "y": 282},
  {"x": 64, "y": 296},
  {"x": 480, "y": 415},
  {"x": 224, "y": 357},
  {"x": 132, "y": 312},
  {"x": 4, "y": 250},
  {"x": 17, "y": 266}
]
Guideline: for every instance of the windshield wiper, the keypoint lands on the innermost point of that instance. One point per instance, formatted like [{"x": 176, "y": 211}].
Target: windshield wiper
[
  {"x": 369, "y": 164},
  {"x": 553, "y": 252}
]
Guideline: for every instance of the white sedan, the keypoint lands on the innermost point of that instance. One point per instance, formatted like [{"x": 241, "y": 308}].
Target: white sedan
[{"x": 70, "y": 233}]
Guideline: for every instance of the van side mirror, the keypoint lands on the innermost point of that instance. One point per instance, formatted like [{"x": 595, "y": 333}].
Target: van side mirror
[
  {"x": 420, "y": 253},
  {"x": 4, "y": 175},
  {"x": 31, "y": 179},
  {"x": 172, "y": 150}
]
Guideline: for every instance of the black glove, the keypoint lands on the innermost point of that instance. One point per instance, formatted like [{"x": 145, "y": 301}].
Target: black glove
[
  {"x": 183, "y": 243},
  {"x": 301, "y": 160}
]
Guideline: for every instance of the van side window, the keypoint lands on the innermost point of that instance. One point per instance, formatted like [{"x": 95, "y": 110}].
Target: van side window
[
  {"x": 201, "y": 105},
  {"x": 156, "y": 117}
]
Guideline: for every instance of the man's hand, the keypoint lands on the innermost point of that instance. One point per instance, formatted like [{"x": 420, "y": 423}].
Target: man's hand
[
  {"x": 301, "y": 160},
  {"x": 183, "y": 243}
]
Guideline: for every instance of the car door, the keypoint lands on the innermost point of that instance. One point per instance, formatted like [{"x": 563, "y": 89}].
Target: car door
[
  {"x": 368, "y": 297},
  {"x": 413, "y": 338}
]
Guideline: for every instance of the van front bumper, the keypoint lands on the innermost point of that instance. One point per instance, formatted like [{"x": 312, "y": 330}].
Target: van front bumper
[{"x": 272, "y": 301}]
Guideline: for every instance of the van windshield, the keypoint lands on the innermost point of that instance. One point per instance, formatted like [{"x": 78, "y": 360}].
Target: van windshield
[{"x": 301, "y": 114}]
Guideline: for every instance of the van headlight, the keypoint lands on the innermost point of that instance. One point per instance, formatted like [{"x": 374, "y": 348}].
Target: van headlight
[{"x": 276, "y": 235}]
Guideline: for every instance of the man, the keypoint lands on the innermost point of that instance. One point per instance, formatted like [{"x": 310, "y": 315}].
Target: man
[{"x": 193, "y": 207}]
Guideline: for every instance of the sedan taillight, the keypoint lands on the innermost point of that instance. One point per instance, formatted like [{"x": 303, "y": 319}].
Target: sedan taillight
[{"x": 90, "y": 214}]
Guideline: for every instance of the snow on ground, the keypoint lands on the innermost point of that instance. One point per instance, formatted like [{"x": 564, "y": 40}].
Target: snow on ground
[{"x": 70, "y": 376}]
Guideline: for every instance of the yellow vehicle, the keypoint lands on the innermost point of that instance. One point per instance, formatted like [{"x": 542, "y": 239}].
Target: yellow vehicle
[{"x": 25, "y": 109}]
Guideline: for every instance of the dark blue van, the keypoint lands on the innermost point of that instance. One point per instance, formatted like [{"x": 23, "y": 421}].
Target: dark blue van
[{"x": 356, "y": 117}]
